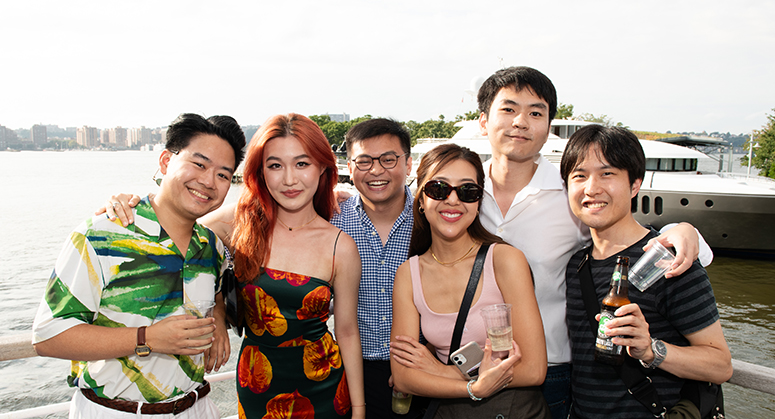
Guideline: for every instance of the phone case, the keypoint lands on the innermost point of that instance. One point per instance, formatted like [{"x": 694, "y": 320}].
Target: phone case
[{"x": 467, "y": 359}]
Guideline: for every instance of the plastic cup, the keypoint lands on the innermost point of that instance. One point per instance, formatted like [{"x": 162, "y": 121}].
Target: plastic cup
[
  {"x": 651, "y": 266},
  {"x": 401, "y": 402},
  {"x": 200, "y": 309},
  {"x": 497, "y": 320}
]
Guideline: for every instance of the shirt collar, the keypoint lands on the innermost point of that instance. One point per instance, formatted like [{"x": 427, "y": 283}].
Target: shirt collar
[{"x": 546, "y": 177}]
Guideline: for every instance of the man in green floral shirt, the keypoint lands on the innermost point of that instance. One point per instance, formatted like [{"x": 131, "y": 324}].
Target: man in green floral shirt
[{"x": 114, "y": 302}]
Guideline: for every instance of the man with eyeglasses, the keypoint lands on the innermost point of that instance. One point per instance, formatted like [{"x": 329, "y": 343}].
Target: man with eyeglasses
[{"x": 380, "y": 220}]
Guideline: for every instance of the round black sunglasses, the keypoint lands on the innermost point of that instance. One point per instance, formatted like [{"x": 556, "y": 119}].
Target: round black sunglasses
[{"x": 440, "y": 190}]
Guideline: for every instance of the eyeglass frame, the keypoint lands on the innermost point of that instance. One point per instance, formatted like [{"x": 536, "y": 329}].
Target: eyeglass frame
[
  {"x": 379, "y": 159},
  {"x": 457, "y": 190}
]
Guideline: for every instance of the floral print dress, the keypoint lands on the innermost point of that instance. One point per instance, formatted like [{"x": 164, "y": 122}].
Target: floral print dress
[{"x": 289, "y": 364}]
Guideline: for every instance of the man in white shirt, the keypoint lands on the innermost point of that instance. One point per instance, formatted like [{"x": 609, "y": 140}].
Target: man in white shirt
[{"x": 525, "y": 203}]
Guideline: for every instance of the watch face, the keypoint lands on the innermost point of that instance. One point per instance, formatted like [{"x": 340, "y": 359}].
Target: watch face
[
  {"x": 143, "y": 350},
  {"x": 661, "y": 348}
]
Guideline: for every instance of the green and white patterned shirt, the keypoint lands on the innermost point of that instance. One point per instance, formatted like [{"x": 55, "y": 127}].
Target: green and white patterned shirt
[{"x": 116, "y": 276}]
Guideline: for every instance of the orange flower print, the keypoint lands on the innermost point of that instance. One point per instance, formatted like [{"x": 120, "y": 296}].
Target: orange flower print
[
  {"x": 320, "y": 357},
  {"x": 254, "y": 370},
  {"x": 342, "y": 399},
  {"x": 289, "y": 406},
  {"x": 315, "y": 304},
  {"x": 293, "y": 279},
  {"x": 262, "y": 312},
  {"x": 299, "y": 341},
  {"x": 240, "y": 410}
]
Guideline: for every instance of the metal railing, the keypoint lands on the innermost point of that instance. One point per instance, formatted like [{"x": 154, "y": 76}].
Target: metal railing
[{"x": 746, "y": 375}]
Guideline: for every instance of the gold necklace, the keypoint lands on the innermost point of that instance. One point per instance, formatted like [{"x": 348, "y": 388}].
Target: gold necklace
[
  {"x": 296, "y": 228},
  {"x": 455, "y": 261}
]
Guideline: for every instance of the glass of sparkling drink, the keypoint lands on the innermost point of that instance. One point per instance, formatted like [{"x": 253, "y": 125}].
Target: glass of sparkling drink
[
  {"x": 200, "y": 309},
  {"x": 497, "y": 320},
  {"x": 401, "y": 402}
]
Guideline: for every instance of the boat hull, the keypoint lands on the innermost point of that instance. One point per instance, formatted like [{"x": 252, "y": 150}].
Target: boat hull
[{"x": 729, "y": 223}]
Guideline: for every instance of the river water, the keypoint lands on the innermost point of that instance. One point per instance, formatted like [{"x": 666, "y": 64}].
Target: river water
[{"x": 47, "y": 194}]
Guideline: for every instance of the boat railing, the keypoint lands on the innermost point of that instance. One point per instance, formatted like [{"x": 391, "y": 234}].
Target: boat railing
[
  {"x": 19, "y": 346},
  {"x": 747, "y": 178}
]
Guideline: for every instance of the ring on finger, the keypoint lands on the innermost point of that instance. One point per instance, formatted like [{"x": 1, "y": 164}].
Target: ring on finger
[{"x": 115, "y": 204}]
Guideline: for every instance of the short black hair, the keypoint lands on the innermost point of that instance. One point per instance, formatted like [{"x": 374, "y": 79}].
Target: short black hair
[
  {"x": 374, "y": 128},
  {"x": 520, "y": 78},
  {"x": 618, "y": 146},
  {"x": 188, "y": 125}
]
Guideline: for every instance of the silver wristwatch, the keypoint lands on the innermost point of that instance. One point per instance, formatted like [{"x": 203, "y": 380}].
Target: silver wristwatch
[{"x": 660, "y": 352}]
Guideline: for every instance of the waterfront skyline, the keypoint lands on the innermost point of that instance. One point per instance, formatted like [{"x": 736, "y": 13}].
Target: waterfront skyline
[{"x": 678, "y": 66}]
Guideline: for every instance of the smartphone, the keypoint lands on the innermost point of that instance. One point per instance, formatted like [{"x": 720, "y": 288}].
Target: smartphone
[{"x": 467, "y": 359}]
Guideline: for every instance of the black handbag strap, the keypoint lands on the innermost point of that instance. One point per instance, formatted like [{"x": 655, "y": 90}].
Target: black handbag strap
[
  {"x": 462, "y": 315},
  {"x": 468, "y": 297},
  {"x": 638, "y": 383}
]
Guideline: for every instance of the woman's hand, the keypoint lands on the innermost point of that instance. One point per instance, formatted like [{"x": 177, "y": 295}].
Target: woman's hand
[
  {"x": 495, "y": 375},
  {"x": 410, "y": 353},
  {"x": 120, "y": 206}
]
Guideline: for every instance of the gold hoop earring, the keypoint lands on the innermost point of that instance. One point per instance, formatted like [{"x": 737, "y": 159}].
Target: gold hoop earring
[{"x": 421, "y": 210}]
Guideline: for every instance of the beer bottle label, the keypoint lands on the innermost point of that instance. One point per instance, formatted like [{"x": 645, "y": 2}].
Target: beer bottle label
[{"x": 603, "y": 342}]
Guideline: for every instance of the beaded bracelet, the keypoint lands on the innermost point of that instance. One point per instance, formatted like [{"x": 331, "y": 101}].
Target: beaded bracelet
[{"x": 471, "y": 393}]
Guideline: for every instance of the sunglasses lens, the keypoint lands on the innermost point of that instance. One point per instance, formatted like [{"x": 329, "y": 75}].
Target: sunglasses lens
[
  {"x": 469, "y": 192},
  {"x": 437, "y": 190}
]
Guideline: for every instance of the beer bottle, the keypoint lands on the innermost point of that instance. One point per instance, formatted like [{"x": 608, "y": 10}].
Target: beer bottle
[{"x": 605, "y": 351}]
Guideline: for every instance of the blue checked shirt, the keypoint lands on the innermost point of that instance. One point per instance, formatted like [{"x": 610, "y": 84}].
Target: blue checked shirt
[{"x": 378, "y": 270}]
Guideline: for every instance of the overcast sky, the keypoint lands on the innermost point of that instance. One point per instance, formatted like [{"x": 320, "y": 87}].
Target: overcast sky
[{"x": 652, "y": 65}]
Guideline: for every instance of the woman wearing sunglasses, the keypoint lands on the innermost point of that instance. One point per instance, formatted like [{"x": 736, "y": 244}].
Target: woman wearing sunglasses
[{"x": 429, "y": 288}]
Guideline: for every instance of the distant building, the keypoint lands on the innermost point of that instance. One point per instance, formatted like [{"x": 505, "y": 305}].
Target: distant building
[
  {"x": 87, "y": 136},
  {"x": 8, "y": 137},
  {"x": 339, "y": 117},
  {"x": 117, "y": 137},
  {"x": 105, "y": 136},
  {"x": 38, "y": 135},
  {"x": 139, "y": 136},
  {"x": 160, "y": 135}
]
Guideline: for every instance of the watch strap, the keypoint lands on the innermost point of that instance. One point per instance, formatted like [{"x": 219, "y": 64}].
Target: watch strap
[
  {"x": 141, "y": 335},
  {"x": 659, "y": 356}
]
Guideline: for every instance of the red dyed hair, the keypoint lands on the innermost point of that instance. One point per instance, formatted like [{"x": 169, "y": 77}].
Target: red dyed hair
[{"x": 256, "y": 212}]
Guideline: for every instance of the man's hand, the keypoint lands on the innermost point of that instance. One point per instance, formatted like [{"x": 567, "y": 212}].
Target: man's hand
[
  {"x": 686, "y": 242},
  {"x": 120, "y": 206},
  {"x": 630, "y": 329},
  {"x": 179, "y": 334}
]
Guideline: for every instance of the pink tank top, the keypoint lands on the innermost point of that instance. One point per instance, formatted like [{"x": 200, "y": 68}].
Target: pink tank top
[{"x": 437, "y": 327}]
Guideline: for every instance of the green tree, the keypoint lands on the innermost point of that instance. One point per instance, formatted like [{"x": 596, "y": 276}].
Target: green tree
[
  {"x": 603, "y": 119},
  {"x": 764, "y": 155},
  {"x": 564, "y": 111},
  {"x": 468, "y": 116}
]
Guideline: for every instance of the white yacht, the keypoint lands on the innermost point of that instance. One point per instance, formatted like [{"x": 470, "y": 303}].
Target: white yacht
[{"x": 735, "y": 213}]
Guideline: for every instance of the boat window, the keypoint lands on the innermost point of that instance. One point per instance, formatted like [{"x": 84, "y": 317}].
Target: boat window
[
  {"x": 709, "y": 203},
  {"x": 671, "y": 165},
  {"x": 684, "y": 201},
  {"x": 645, "y": 205},
  {"x": 658, "y": 205}
]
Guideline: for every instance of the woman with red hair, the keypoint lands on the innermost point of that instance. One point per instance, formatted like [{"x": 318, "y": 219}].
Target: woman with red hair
[{"x": 290, "y": 261}]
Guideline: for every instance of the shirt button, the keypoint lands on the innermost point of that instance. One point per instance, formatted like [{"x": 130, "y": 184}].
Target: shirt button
[
  {"x": 381, "y": 290},
  {"x": 384, "y": 345},
  {"x": 382, "y": 262},
  {"x": 373, "y": 233},
  {"x": 384, "y": 318},
  {"x": 500, "y": 229}
]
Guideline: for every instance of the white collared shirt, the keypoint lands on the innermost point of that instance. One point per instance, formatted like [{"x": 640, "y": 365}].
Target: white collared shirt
[{"x": 540, "y": 224}]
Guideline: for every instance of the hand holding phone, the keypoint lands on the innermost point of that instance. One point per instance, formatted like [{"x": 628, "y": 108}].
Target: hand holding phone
[{"x": 467, "y": 359}]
